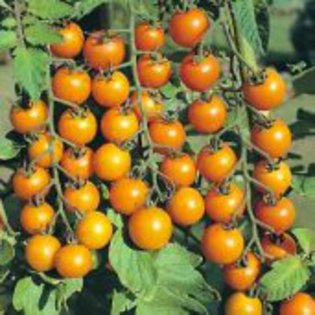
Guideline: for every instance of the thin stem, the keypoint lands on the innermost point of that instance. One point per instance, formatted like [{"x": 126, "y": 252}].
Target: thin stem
[{"x": 18, "y": 16}]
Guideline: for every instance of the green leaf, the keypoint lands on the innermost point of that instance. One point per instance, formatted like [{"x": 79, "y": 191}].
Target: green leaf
[
  {"x": 115, "y": 218},
  {"x": 306, "y": 239},
  {"x": 8, "y": 149},
  {"x": 304, "y": 186},
  {"x": 52, "y": 9},
  {"x": 286, "y": 278},
  {"x": 7, "y": 252},
  {"x": 85, "y": 7},
  {"x": 9, "y": 22},
  {"x": 3, "y": 4},
  {"x": 121, "y": 303},
  {"x": 263, "y": 20},
  {"x": 7, "y": 40},
  {"x": 42, "y": 34},
  {"x": 67, "y": 288}
]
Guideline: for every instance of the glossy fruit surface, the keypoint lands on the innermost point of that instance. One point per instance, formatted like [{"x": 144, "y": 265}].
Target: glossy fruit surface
[
  {"x": 300, "y": 304},
  {"x": 149, "y": 37},
  {"x": 242, "y": 304}
]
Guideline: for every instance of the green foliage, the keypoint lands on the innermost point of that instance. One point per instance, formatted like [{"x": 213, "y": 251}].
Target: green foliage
[
  {"x": 8, "y": 149},
  {"x": 7, "y": 40},
  {"x": 84, "y": 7},
  {"x": 7, "y": 252},
  {"x": 121, "y": 303},
  {"x": 306, "y": 239},
  {"x": 42, "y": 34},
  {"x": 304, "y": 186}
]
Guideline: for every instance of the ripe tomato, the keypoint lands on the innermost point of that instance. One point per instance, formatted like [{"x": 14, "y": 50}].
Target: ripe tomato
[
  {"x": 223, "y": 206},
  {"x": 186, "y": 206},
  {"x": 45, "y": 150},
  {"x": 150, "y": 228},
  {"x": 179, "y": 169},
  {"x": 103, "y": 51},
  {"x": 167, "y": 135},
  {"x": 283, "y": 246},
  {"x": 279, "y": 216},
  {"x": 222, "y": 246},
  {"x": 242, "y": 277},
  {"x": 71, "y": 85},
  {"x": 188, "y": 28},
  {"x": 85, "y": 198},
  {"x": 207, "y": 116},
  {"x": 128, "y": 195},
  {"x": 26, "y": 186},
  {"x": 111, "y": 90},
  {"x": 275, "y": 140},
  {"x": 72, "y": 42},
  {"x": 95, "y": 230},
  {"x": 199, "y": 75},
  {"x": 36, "y": 219},
  {"x": 30, "y": 119},
  {"x": 79, "y": 128},
  {"x": 78, "y": 164},
  {"x": 149, "y": 37},
  {"x": 215, "y": 166},
  {"x": 242, "y": 304},
  {"x": 119, "y": 126},
  {"x": 40, "y": 252},
  {"x": 73, "y": 261},
  {"x": 300, "y": 304},
  {"x": 278, "y": 180},
  {"x": 111, "y": 162},
  {"x": 153, "y": 73},
  {"x": 152, "y": 106}
]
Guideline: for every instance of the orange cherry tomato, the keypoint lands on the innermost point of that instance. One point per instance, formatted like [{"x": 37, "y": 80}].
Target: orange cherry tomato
[
  {"x": 71, "y": 85},
  {"x": 300, "y": 304},
  {"x": 128, "y": 195},
  {"x": 72, "y": 42},
  {"x": 153, "y": 73},
  {"x": 111, "y": 162},
  {"x": 111, "y": 90},
  {"x": 186, "y": 206},
  {"x": 188, "y": 28},
  {"x": 223, "y": 205},
  {"x": 150, "y": 228},
  {"x": 149, "y": 37},
  {"x": 222, "y": 246},
  {"x": 241, "y": 304},
  {"x": 29, "y": 119},
  {"x": 199, "y": 75},
  {"x": 103, "y": 51}
]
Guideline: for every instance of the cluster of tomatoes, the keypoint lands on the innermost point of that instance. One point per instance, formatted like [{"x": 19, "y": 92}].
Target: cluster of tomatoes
[{"x": 128, "y": 113}]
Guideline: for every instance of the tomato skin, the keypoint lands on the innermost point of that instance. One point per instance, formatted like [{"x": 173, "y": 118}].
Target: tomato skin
[
  {"x": 267, "y": 95},
  {"x": 150, "y": 228},
  {"x": 40, "y": 252},
  {"x": 30, "y": 119},
  {"x": 79, "y": 129},
  {"x": 38, "y": 150},
  {"x": 278, "y": 180},
  {"x": 194, "y": 22},
  {"x": 111, "y": 162},
  {"x": 103, "y": 53},
  {"x": 118, "y": 126},
  {"x": 36, "y": 219},
  {"x": 72, "y": 44},
  {"x": 276, "y": 140},
  {"x": 128, "y": 195},
  {"x": 149, "y": 37},
  {"x": 222, "y": 207},
  {"x": 94, "y": 230},
  {"x": 73, "y": 261},
  {"x": 71, "y": 85},
  {"x": 207, "y": 116},
  {"x": 242, "y": 304},
  {"x": 242, "y": 278},
  {"x": 84, "y": 199},
  {"x": 300, "y": 304},
  {"x": 199, "y": 75},
  {"x": 216, "y": 166},
  {"x": 222, "y": 246},
  {"x": 180, "y": 170},
  {"x": 186, "y": 206},
  {"x": 153, "y": 73},
  {"x": 26, "y": 187},
  {"x": 112, "y": 90}
]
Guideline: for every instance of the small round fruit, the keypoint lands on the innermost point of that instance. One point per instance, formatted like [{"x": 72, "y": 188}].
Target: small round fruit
[
  {"x": 222, "y": 246},
  {"x": 94, "y": 230},
  {"x": 128, "y": 195},
  {"x": 85, "y": 198},
  {"x": 300, "y": 304},
  {"x": 111, "y": 162},
  {"x": 207, "y": 116},
  {"x": 150, "y": 228},
  {"x": 37, "y": 219},
  {"x": 111, "y": 90},
  {"x": 149, "y": 37},
  {"x": 242, "y": 304},
  {"x": 186, "y": 206},
  {"x": 40, "y": 252},
  {"x": 73, "y": 261},
  {"x": 29, "y": 119}
]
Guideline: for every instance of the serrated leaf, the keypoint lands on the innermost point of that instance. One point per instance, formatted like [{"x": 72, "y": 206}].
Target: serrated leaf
[
  {"x": 121, "y": 303},
  {"x": 7, "y": 252},
  {"x": 7, "y": 40},
  {"x": 286, "y": 278},
  {"x": 8, "y": 149},
  {"x": 52, "y": 9},
  {"x": 85, "y": 7},
  {"x": 306, "y": 239},
  {"x": 42, "y": 34}
]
